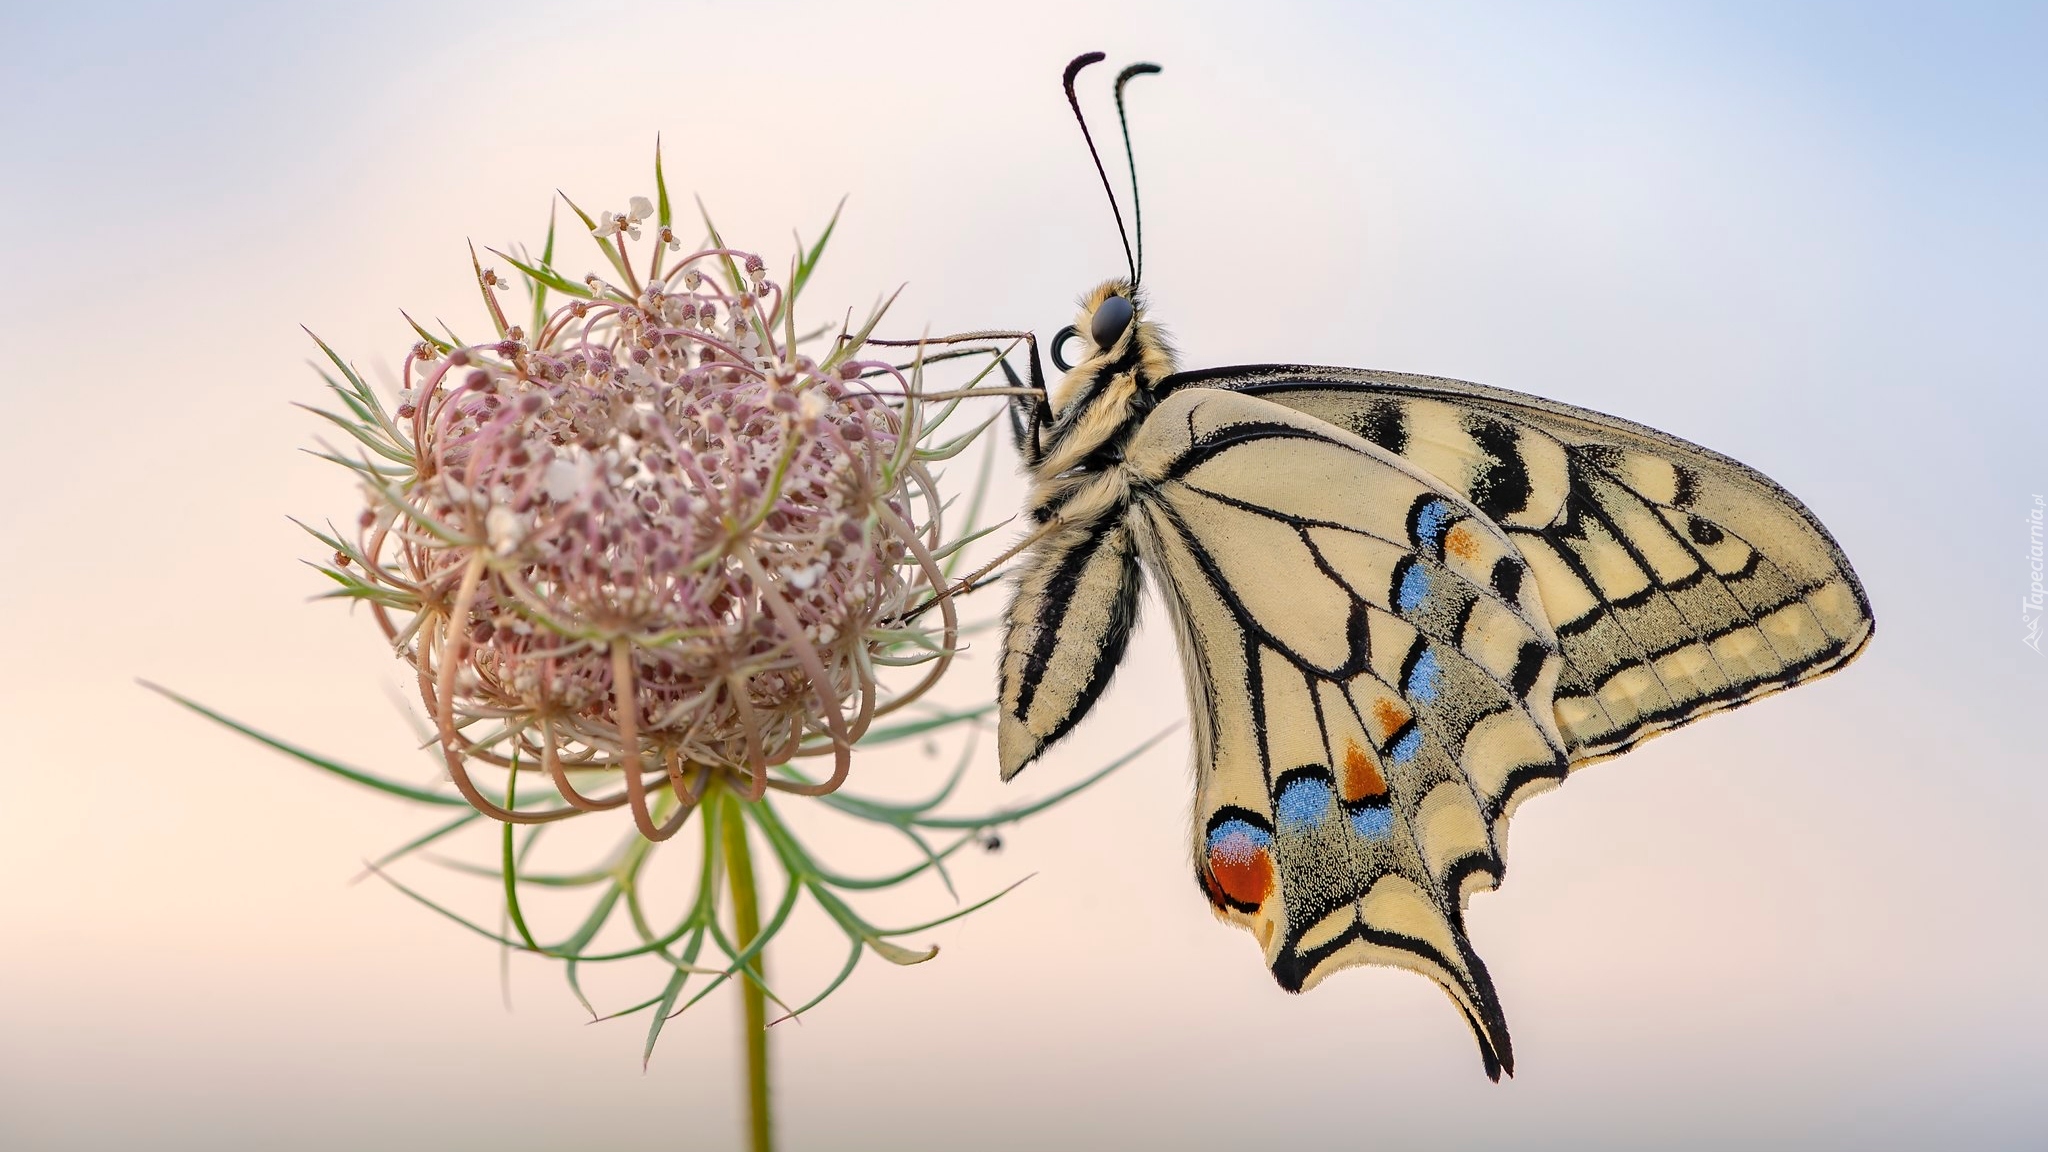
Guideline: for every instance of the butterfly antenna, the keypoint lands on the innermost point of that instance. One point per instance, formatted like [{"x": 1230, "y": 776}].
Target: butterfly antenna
[
  {"x": 1137, "y": 205},
  {"x": 1074, "y": 67}
]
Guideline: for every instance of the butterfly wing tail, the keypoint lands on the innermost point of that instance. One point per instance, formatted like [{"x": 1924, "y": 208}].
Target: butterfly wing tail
[{"x": 1401, "y": 924}]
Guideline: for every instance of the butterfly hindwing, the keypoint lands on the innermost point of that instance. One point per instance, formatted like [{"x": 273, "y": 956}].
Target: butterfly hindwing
[
  {"x": 1679, "y": 582},
  {"x": 1370, "y": 676}
]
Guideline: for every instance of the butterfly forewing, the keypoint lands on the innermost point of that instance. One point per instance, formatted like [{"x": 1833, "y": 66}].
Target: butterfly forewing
[
  {"x": 1679, "y": 582},
  {"x": 1371, "y": 674}
]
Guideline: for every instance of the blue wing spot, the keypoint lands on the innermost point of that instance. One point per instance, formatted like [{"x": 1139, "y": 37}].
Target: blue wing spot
[
  {"x": 1414, "y": 589},
  {"x": 1304, "y": 803},
  {"x": 1236, "y": 842},
  {"x": 1407, "y": 746},
  {"x": 1373, "y": 823},
  {"x": 1424, "y": 679},
  {"x": 1433, "y": 521}
]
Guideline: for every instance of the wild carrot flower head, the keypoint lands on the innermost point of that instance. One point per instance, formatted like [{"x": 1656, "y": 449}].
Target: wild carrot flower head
[{"x": 652, "y": 542}]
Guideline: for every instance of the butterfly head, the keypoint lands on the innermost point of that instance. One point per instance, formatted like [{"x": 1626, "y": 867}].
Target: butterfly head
[
  {"x": 1103, "y": 393},
  {"x": 1114, "y": 338}
]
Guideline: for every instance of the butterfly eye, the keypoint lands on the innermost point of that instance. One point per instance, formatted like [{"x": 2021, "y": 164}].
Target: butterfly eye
[
  {"x": 1059, "y": 341},
  {"x": 1110, "y": 320}
]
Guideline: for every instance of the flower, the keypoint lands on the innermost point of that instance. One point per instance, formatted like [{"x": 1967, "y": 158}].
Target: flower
[
  {"x": 638, "y": 209},
  {"x": 659, "y": 553},
  {"x": 655, "y": 546}
]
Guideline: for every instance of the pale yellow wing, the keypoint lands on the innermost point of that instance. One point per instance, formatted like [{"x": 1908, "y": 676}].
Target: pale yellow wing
[
  {"x": 1679, "y": 582},
  {"x": 1370, "y": 674}
]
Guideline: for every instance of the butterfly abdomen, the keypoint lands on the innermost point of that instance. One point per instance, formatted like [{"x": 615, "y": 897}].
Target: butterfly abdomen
[{"x": 1066, "y": 630}]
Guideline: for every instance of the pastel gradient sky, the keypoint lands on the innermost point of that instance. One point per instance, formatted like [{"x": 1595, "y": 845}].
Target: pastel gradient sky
[{"x": 1809, "y": 236}]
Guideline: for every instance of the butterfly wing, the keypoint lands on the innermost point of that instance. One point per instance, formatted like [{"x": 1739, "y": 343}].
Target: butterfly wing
[
  {"x": 1679, "y": 582},
  {"x": 1370, "y": 675}
]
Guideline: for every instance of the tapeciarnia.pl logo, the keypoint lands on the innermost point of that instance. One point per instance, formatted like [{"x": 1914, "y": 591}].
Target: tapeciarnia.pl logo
[{"x": 2037, "y": 596}]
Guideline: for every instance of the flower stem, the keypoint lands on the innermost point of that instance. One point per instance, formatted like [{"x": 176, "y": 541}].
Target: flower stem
[{"x": 746, "y": 914}]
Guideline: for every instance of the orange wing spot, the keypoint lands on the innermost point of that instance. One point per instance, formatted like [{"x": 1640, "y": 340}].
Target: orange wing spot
[
  {"x": 1362, "y": 779},
  {"x": 1389, "y": 716},
  {"x": 1246, "y": 879},
  {"x": 1459, "y": 543}
]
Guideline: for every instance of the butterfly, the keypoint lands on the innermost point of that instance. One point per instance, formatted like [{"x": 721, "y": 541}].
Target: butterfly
[{"x": 1403, "y": 604}]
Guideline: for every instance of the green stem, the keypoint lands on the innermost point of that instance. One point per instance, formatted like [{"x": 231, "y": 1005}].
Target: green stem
[{"x": 746, "y": 914}]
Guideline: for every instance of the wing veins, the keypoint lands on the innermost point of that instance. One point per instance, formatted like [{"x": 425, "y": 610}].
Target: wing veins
[
  {"x": 1701, "y": 636},
  {"x": 1480, "y": 591}
]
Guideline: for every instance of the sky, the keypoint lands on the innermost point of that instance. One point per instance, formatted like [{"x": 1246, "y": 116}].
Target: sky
[{"x": 1806, "y": 236}]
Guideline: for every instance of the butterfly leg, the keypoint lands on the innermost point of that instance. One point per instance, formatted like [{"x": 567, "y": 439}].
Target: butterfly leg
[{"x": 1027, "y": 413}]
